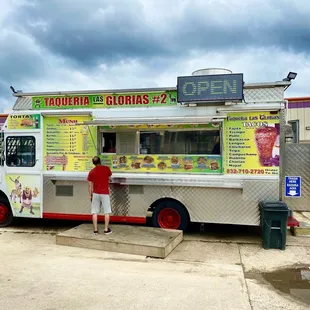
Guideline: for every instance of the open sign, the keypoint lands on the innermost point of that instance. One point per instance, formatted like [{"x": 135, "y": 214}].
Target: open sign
[{"x": 219, "y": 87}]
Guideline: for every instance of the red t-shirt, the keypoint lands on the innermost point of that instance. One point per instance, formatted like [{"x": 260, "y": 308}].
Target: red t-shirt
[{"x": 100, "y": 178}]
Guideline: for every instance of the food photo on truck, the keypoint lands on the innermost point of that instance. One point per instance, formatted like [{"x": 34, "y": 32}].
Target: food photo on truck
[{"x": 207, "y": 151}]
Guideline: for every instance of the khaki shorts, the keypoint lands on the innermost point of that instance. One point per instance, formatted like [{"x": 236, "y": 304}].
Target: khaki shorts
[{"x": 101, "y": 202}]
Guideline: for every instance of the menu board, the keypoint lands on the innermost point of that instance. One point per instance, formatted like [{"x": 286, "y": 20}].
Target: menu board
[
  {"x": 164, "y": 163},
  {"x": 24, "y": 121},
  {"x": 68, "y": 146},
  {"x": 252, "y": 143}
]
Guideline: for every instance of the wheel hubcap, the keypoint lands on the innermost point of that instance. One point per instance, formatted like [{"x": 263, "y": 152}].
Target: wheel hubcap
[
  {"x": 169, "y": 218},
  {"x": 4, "y": 213}
]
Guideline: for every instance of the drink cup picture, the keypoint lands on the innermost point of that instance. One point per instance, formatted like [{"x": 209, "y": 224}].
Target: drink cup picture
[{"x": 265, "y": 139}]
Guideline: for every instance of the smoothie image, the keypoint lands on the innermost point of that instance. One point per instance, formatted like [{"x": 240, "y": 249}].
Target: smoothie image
[
  {"x": 265, "y": 138},
  {"x": 114, "y": 162}
]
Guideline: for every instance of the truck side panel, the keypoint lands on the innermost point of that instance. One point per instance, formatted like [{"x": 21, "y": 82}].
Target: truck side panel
[{"x": 210, "y": 205}]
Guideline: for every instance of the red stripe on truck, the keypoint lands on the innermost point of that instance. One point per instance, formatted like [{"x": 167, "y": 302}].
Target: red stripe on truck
[{"x": 87, "y": 217}]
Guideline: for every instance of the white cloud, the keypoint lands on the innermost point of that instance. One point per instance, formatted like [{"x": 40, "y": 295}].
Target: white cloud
[
  {"x": 109, "y": 47},
  {"x": 257, "y": 65}
]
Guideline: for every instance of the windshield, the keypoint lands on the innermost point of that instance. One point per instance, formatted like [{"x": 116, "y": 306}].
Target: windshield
[{"x": 1, "y": 149}]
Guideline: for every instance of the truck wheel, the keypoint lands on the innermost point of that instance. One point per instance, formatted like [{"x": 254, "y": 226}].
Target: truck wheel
[
  {"x": 170, "y": 215},
  {"x": 6, "y": 216}
]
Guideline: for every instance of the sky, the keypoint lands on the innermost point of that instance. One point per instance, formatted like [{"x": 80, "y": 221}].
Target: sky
[{"x": 54, "y": 45}]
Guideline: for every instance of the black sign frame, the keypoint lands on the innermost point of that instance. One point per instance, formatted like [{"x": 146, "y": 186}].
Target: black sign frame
[{"x": 224, "y": 82}]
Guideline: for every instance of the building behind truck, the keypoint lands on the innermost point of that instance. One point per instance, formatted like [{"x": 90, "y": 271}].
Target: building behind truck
[
  {"x": 298, "y": 115},
  {"x": 208, "y": 150}
]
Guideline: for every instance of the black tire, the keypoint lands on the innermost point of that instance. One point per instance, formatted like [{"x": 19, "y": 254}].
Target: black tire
[
  {"x": 177, "y": 208},
  {"x": 6, "y": 216}
]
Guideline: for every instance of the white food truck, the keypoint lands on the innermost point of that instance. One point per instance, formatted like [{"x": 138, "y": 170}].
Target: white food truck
[{"x": 205, "y": 151}]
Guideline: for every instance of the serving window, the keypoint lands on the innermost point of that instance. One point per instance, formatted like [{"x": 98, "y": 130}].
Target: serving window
[
  {"x": 119, "y": 142},
  {"x": 108, "y": 142},
  {"x": 180, "y": 142},
  {"x": 161, "y": 148}
]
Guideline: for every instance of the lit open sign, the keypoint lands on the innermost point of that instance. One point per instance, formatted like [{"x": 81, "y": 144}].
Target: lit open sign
[{"x": 220, "y": 87}]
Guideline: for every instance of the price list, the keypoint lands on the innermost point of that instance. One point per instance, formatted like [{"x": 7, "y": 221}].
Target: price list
[
  {"x": 250, "y": 144},
  {"x": 238, "y": 147},
  {"x": 68, "y": 145}
]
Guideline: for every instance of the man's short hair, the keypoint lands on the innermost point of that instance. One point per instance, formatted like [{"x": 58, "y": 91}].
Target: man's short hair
[{"x": 96, "y": 160}]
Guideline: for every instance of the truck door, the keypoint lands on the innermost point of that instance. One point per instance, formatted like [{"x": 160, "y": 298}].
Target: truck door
[
  {"x": 23, "y": 173},
  {"x": 1, "y": 157}
]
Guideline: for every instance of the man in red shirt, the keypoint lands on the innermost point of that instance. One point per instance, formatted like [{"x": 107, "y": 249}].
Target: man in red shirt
[{"x": 98, "y": 188}]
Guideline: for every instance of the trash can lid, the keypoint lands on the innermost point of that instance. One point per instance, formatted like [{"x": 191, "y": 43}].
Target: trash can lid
[
  {"x": 267, "y": 204},
  {"x": 278, "y": 210}
]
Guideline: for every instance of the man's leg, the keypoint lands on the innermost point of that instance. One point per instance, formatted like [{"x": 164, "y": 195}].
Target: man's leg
[
  {"x": 106, "y": 221},
  {"x": 105, "y": 199},
  {"x": 95, "y": 209},
  {"x": 95, "y": 222}
]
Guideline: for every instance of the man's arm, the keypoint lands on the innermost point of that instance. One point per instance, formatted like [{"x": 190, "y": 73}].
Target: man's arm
[
  {"x": 90, "y": 189},
  {"x": 110, "y": 174}
]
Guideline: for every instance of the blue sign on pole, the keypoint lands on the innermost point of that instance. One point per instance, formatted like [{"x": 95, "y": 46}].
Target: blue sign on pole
[{"x": 293, "y": 186}]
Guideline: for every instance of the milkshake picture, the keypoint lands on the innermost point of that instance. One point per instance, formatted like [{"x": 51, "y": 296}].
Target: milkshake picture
[
  {"x": 114, "y": 162},
  {"x": 265, "y": 138}
]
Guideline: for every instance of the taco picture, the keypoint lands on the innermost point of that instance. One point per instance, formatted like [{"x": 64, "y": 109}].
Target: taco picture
[
  {"x": 162, "y": 165},
  {"x": 123, "y": 160},
  {"x": 174, "y": 160},
  {"x": 188, "y": 164},
  {"x": 201, "y": 161},
  {"x": 136, "y": 164},
  {"x": 148, "y": 159},
  {"x": 214, "y": 165}
]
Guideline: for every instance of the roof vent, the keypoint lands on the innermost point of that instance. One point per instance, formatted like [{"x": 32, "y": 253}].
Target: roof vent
[{"x": 212, "y": 71}]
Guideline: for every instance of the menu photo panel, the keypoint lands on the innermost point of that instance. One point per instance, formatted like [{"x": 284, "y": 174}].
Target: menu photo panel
[{"x": 68, "y": 144}]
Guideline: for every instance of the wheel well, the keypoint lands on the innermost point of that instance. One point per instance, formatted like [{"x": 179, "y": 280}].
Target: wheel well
[
  {"x": 155, "y": 203},
  {"x": 9, "y": 218},
  {"x": 4, "y": 198}
]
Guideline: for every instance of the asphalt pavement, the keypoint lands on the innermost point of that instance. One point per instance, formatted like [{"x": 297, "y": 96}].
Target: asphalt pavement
[{"x": 217, "y": 269}]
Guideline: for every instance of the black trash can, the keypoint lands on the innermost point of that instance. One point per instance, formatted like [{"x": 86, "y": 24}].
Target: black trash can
[{"x": 274, "y": 215}]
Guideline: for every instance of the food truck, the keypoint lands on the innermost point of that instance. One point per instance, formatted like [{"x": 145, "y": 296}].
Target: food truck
[{"x": 206, "y": 151}]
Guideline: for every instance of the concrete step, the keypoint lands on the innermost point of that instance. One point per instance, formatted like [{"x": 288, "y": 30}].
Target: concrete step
[
  {"x": 304, "y": 224},
  {"x": 303, "y": 230},
  {"x": 136, "y": 240}
]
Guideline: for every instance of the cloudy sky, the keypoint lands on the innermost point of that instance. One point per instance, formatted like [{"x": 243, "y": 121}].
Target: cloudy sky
[{"x": 48, "y": 45}]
